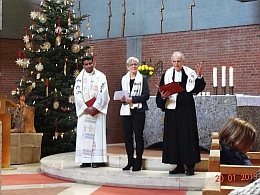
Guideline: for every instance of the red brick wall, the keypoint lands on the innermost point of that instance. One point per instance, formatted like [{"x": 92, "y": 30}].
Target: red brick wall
[
  {"x": 111, "y": 60},
  {"x": 238, "y": 47},
  {"x": 10, "y": 72}
]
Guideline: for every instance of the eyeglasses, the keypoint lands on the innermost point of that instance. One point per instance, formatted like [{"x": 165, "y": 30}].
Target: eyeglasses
[
  {"x": 176, "y": 62},
  {"x": 88, "y": 63},
  {"x": 133, "y": 65}
]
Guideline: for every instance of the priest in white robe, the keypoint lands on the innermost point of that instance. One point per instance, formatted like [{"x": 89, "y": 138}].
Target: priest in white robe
[{"x": 91, "y": 86}]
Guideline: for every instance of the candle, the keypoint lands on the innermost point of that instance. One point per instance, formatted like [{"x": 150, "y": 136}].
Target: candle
[
  {"x": 231, "y": 78},
  {"x": 215, "y": 83},
  {"x": 19, "y": 54},
  {"x": 47, "y": 83},
  {"x": 223, "y": 76}
]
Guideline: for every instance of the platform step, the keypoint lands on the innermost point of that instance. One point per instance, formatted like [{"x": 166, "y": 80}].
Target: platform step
[{"x": 154, "y": 174}]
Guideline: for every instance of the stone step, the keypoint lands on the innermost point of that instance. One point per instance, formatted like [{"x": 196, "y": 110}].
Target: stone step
[
  {"x": 152, "y": 163},
  {"x": 154, "y": 174}
]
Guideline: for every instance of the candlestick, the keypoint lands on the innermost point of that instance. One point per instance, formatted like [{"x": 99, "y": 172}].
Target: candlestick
[
  {"x": 231, "y": 90},
  {"x": 223, "y": 90},
  {"x": 215, "y": 90},
  {"x": 215, "y": 83},
  {"x": 231, "y": 78},
  {"x": 223, "y": 76}
]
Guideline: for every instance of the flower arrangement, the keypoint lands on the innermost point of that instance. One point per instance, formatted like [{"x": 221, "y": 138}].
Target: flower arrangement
[{"x": 146, "y": 70}]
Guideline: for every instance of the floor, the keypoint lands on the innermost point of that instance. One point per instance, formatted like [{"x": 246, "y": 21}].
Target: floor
[{"x": 51, "y": 186}]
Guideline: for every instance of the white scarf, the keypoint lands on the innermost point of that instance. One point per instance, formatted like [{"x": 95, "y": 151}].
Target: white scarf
[
  {"x": 171, "y": 100},
  {"x": 87, "y": 85},
  {"x": 136, "y": 91}
]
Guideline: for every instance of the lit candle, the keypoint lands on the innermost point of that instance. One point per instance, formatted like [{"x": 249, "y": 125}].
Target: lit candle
[
  {"x": 231, "y": 78},
  {"x": 215, "y": 83},
  {"x": 223, "y": 76}
]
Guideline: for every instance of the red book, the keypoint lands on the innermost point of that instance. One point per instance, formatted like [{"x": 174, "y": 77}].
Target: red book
[
  {"x": 172, "y": 88},
  {"x": 90, "y": 103}
]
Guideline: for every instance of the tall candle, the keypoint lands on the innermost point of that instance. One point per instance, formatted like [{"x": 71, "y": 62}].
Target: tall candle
[
  {"x": 223, "y": 76},
  {"x": 215, "y": 80},
  {"x": 231, "y": 78}
]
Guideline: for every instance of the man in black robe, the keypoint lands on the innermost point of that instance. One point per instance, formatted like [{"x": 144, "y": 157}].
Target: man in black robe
[{"x": 180, "y": 139}]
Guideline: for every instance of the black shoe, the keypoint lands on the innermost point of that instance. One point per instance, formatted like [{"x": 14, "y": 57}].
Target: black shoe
[
  {"x": 131, "y": 162},
  {"x": 95, "y": 165},
  {"x": 127, "y": 167},
  {"x": 137, "y": 168},
  {"x": 85, "y": 165},
  {"x": 177, "y": 170},
  {"x": 190, "y": 172}
]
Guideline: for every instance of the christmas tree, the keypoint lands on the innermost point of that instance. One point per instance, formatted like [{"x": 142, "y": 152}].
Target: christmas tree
[{"x": 54, "y": 46}]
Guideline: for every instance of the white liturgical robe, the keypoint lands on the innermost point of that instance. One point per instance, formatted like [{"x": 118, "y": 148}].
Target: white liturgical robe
[{"x": 91, "y": 130}]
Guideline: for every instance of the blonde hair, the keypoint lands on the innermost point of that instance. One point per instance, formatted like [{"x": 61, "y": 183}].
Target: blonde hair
[{"x": 238, "y": 134}]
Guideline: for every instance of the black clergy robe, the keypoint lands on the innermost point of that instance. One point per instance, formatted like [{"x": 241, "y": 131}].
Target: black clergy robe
[{"x": 180, "y": 138}]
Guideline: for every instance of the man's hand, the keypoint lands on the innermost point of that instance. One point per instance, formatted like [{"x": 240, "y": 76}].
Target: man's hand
[
  {"x": 199, "y": 69},
  {"x": 165, "y": 94},
  {"x": 90, "y": 110}
]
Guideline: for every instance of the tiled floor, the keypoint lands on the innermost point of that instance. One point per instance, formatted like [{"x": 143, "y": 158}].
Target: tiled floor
[{"x": 66, "y": 188}]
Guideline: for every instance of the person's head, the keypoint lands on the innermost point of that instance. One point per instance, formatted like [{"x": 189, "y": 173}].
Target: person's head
[
  {"x": 177, "y": 60},
  {"x": 132, "y": 65},
  {"x": 88, "y": 64},
  {"x": 238, "y": 134}
]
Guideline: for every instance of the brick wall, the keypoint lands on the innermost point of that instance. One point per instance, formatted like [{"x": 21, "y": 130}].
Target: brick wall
[
  {"x": 9, "y": 71},
  {"x": 238, "y": 47}
]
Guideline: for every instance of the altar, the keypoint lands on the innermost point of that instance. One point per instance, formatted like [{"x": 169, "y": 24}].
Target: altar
[{"x": 212, "y": 112}]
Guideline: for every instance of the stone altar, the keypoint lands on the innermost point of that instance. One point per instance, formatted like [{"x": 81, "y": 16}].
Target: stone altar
[{"x": 212, "y": 113}]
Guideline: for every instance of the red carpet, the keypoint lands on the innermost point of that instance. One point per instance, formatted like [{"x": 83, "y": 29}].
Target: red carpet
[
  {"x": 22, "y": 179},
  {"x": 107, "y": 190}
]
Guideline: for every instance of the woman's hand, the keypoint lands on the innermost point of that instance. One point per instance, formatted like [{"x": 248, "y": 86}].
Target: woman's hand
[
  {"x": 128, "y": 100},
  {"x": 123, "y": 99}
]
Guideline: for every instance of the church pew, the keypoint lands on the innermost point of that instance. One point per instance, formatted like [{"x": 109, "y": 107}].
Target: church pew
[{"x": 222, "y": 179}]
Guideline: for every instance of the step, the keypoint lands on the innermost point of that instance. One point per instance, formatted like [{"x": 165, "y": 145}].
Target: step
[{"x": 154, "y": 174}]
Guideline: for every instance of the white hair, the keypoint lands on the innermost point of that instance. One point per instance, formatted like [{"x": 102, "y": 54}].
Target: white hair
[
  {"x": 179, "y": 54},
  {"x": 129, "y": 60}
]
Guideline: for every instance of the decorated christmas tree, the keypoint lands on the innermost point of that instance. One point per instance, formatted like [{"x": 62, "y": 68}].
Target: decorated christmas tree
[{"x": 54, "y": 46}]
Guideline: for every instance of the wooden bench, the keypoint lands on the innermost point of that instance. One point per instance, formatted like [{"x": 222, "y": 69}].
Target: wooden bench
[{"x": 222, "y": 179}]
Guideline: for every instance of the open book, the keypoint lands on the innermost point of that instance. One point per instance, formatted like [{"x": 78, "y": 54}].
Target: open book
[{"x": 172, "y": 87}]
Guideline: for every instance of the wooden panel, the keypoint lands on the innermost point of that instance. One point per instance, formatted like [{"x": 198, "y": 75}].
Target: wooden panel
[
  {"x": 214, "y": 161},
  {"x": 6, "y": 139},
  {"x": 2, "y": 104},
  {"x": 211, "y": 187},
  {"x": 215, "y": 144},
  {"x": 215, "y": 135}
]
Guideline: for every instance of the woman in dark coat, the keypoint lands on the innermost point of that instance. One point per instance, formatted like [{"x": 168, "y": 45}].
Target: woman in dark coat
[
  {"x": 133, "y": 112},
  {"x": 180, "y": 139}
]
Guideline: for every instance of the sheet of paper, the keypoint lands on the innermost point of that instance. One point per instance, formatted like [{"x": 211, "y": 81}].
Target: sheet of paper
[{"x": 119, "y": 94}]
